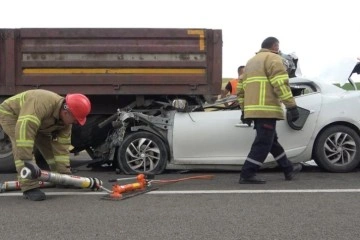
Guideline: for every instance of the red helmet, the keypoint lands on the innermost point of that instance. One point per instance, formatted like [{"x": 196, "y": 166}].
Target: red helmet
[{"x": 79, "y": 105}]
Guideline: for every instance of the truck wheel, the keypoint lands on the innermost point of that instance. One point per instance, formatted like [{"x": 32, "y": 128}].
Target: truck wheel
[
  {"x": 6, "y": 157},
  {"x": 142, "y": 152},
  {"x": 337, "y": 149}
]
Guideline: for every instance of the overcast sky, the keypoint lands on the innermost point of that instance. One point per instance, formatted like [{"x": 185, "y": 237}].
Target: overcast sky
[{"x": 321, "y": 34}]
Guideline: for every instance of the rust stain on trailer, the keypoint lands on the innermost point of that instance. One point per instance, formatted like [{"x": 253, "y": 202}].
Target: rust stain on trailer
[{"x": 112, "y": 71}]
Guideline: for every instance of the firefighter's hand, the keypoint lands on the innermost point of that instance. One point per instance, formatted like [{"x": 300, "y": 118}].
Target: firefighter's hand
[
  {"x": 35, "y": 170},
  {"x": 293, "y": 114},
  {"x": 245, "y": 121}
]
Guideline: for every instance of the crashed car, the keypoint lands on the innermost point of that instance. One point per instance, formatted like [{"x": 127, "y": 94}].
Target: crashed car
[
  {"x": 192, "y": 137},
  {"x": 178, "y": 135}
]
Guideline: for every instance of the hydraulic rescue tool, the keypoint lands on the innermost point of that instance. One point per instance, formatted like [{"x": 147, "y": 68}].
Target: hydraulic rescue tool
[
  {"x": 120, "y": 192},
  {"x": 142, "y": 185},
  {"x": 15, "y": 185},
  {"x": 31, "y": 171}
]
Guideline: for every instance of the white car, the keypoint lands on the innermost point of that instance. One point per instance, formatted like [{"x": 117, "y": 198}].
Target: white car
[
  {"x": 328, "y": 132},
  {"x": 211, "y": 137}
]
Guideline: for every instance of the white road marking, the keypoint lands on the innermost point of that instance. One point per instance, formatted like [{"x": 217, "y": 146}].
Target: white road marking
[
  {"x": 257, "y": 191},
  {"x": 156, "y": 192}
]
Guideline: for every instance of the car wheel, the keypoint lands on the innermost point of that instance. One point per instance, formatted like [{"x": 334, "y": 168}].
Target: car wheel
[
  {"x": 142, "y": 152},
  {"x": 337, "y": 149},
  {"x": 6, "y": 157}
]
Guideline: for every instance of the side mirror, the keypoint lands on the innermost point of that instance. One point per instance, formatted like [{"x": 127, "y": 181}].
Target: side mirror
[{"x": 180, "y": 105}]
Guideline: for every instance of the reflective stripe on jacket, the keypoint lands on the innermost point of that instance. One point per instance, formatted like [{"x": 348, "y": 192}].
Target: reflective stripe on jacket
[
  {"x": 265, "y": 86},
  {"x": 37, "y": 112}
]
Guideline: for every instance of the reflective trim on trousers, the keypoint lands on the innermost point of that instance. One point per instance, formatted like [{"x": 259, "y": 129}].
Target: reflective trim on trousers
[
  {"x": 254, "y": 161},
  {"x": 280, "y": 156}
]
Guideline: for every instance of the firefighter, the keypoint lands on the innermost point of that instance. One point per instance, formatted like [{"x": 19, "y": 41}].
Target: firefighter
[
  {"x": 264, "y": 88},
  {"x": 42, "y": 119},
  {"x": 231, "y": 86}
]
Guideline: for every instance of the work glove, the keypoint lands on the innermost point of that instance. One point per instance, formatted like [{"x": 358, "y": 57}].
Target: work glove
[
  {"x": 245, "y": 121},
  {"x": 292, "y": 114},
  {"x": 35, "y": 170}
]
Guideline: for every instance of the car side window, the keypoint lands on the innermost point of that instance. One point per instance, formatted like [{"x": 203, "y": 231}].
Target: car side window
[{"x": 299, "y": 89}]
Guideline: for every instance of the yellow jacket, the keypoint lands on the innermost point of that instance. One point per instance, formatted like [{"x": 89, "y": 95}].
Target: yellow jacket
[
  {"x": 37, "y": 112},
  {"x": 265, "y": 86}
]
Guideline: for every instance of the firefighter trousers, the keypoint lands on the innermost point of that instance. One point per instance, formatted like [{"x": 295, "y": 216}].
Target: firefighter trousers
[
  {"x": 43, "y": 143},
  {"x": 266, "y": 141}
]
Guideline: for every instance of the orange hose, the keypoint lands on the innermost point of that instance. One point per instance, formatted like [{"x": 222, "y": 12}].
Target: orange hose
[{"x": 183, "y": 179}]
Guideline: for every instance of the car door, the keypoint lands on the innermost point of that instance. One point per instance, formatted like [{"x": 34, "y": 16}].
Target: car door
[
  {"x": 214, "y": 138},
  {"x": 210, "y": 138},
  {"x": 293, "y": 141}
]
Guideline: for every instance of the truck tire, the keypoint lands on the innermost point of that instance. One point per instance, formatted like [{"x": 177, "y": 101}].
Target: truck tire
[
  {"x": 142, "y": 152},
  {"x": 7, "y": 164},
  {"x": 337, "y": 149}
]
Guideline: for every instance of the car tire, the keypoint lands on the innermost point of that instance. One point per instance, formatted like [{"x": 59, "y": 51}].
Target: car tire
[
  {"x": 337, "y": 149},
  {"x": 142, "y": 152},
  {"x": 7, "y": 164}
]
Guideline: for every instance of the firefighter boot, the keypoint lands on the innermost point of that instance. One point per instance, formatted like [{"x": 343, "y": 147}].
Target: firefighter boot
[
  {"x": 34, "y": 195},
  {"x": 296, "y": 169}
]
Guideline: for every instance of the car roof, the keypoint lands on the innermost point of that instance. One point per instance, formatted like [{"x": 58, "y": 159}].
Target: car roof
[{"x": 321, "y": 86}]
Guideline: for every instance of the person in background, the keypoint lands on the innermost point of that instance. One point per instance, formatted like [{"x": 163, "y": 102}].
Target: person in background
[
  {"x": 42, "y": 119},
  {"x": 264, "y": 87},
  {"x": 231, "y": 87}
]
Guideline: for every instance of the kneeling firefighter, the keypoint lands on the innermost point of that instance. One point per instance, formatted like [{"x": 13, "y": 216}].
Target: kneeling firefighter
[{"x": 42, "y": 119}]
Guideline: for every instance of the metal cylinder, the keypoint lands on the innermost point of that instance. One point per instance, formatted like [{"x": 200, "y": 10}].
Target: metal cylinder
[
  {"x": 63, "y": 179},
  {"x": 25, "y": 173},
  {"x": 15, "y": 185}
]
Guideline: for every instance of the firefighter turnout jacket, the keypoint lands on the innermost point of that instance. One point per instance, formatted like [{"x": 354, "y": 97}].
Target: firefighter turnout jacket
[
  {"x": 32, "y": 118},
  {"x": 264, "y": 87}
]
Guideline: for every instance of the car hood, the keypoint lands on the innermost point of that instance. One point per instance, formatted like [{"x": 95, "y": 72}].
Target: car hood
[
  {"x": 356, "y": 68},
  {"x": 344, "y": 71}
]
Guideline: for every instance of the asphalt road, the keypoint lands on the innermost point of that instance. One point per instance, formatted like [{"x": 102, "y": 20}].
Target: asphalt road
[{"x": 316, "y": 205}]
